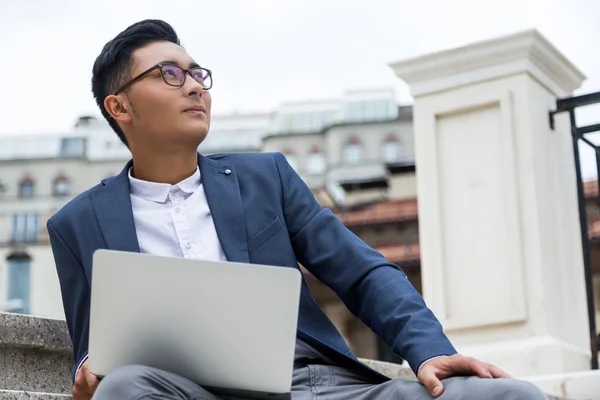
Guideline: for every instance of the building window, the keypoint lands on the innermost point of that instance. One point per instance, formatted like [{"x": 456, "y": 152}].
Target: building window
[
  {"x": 72, "y": 147},
  {"x": 61, "y": 187},
  {"x": 391, "y": 150},
  {"x": 363, "y": 111},
  {"x": 26, "y": 188},
  {"x": 25, "y": 228},
  {"x": 315, "y": 164},
  {"x": 291, "y": 159},
  {"x": 353, "y": 152},
  {"x": 19, "y": 283}
]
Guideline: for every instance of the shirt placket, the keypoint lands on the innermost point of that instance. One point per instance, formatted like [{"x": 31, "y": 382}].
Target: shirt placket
[{"x": 181, "y": 223}]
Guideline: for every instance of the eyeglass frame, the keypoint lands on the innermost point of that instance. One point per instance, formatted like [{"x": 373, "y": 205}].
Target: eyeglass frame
[{"x": 161, "y": 65}]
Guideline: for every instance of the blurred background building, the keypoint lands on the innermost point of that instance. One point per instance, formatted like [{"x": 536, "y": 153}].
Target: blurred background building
[{"x": 354, "y": 152}]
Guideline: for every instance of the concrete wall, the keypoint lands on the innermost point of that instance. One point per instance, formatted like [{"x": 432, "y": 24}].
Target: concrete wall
[{"x": 501, "y": 256}]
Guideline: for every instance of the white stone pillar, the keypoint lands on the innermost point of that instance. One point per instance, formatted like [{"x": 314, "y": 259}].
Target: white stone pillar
[{"x": 502, "y": 265}]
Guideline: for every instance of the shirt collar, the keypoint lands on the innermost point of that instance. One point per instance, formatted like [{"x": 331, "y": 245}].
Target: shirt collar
[{"x": 159, "y": 192}]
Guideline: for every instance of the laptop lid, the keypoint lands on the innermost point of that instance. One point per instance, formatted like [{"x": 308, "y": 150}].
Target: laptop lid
[{"x": 227, "y": 326}]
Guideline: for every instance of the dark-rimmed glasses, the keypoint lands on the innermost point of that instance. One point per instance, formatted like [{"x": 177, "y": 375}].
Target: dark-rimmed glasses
[{"x": 174, "y": 75}]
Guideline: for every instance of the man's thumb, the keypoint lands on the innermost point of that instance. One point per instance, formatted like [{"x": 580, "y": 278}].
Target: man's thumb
[{"x": 432, "y": 383}]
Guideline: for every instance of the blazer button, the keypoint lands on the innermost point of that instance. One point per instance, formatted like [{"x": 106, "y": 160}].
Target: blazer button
[{"x": 227, "y": 171}]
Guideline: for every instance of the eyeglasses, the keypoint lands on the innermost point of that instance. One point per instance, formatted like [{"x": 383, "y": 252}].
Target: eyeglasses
[{"x": 174, "y": 75}]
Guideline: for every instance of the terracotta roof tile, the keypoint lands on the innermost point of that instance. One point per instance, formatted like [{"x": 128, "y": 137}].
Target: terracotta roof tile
[
  {"x": 594, "y": 228},
  {"x": 395, "y": 253},
  {"x": 401, "y": 252},
  {"x": 590, "y": 189},
  {"x": 406, "y": 210},
  {"x": 384, "y": 212}
]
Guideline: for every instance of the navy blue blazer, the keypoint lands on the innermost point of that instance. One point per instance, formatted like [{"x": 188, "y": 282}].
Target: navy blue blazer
[{"x": 264, "y": 214}]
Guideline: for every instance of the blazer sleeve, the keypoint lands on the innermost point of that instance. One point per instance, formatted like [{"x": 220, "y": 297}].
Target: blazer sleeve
[
  {"x": 75, "y": 290},
  {"x": 375, "y": 290}
]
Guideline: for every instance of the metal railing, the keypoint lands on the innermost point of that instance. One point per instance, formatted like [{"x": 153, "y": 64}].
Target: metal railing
[{"x": 569, "y": 105}]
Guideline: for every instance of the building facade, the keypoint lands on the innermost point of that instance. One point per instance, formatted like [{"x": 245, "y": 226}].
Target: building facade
[{"x": 355, "y": 153}]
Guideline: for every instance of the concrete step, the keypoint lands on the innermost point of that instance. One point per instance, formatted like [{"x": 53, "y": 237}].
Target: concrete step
[
  {"x": 19, "y": 395},
  {"x": 35, "y": 355}
]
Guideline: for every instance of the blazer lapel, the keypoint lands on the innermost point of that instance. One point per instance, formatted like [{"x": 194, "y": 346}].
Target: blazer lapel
[
  {"x": 225, "y": 202},
  {"x": 112, "y": 205}
]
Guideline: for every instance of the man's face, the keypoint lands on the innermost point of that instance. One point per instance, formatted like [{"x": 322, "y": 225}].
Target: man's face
[{"x": 165, "y": 115}]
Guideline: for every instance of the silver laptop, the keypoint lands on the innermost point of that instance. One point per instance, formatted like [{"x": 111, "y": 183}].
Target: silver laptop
[{"x": 230, "y": 327}]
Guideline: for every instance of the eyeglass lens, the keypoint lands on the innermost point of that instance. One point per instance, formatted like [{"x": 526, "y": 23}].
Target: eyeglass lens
[{"x": 175, "y": 76}]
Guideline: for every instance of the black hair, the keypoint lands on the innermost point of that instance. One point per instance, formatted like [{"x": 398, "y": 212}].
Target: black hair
[{"x": 112, "y": 68}]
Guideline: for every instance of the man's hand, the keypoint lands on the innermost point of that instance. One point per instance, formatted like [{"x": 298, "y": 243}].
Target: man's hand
[
  {"x": 85, "y": 383},
  {"x": 433, "y": 371}
]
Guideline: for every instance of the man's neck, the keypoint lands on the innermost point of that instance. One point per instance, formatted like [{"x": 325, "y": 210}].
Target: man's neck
[{"x": 169, "y": 168}]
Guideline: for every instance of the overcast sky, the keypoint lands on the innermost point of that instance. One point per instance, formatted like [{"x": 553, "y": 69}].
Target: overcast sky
[{"x": 263, "y": 52}]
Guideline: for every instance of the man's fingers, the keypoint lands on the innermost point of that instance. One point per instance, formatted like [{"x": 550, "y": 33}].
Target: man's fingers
[
  {"x": 498, "y": 373},
  {"x": 431, "y": 382},
  {"x": 484, "y": 370},
  {"x": 92, "y": 381},
  {"x": 468, "y": 366},
  {"x": 481, "y": 369}
]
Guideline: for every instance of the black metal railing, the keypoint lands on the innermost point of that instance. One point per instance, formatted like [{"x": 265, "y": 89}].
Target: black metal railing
[{"x": 569, "y": 105}]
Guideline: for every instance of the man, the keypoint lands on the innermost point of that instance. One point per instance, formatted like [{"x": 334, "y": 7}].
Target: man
[{"x": 171, "y": 201}]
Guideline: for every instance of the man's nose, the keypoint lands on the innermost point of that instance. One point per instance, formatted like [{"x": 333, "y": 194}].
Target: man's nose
[{"x": 192, "y": 86}]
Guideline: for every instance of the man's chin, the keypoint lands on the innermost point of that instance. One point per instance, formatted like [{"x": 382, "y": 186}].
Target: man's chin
[
  {"x": 199, "y": 129},
  {"x": 195, "y": 135}
]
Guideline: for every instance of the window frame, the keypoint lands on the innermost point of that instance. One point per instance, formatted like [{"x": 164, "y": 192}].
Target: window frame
[
  {"x": 316, "y": 151},
  {"x": 60, "y": 179},
  {"x": 391, "y": 140},
  {"x": 356, "y": 144},
  {"x": 26, "y": 181},
  {"x": 18, "y": 284}
]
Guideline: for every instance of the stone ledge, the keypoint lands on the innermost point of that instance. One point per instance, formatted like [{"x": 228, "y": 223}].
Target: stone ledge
[
  {"x": 34, "y": 333},
  {"x": 392, "y": 370},
  {"x": 20, "y": 395},
  {"x": 37, "y": 371},
  {"x": 35, "y": 356}
]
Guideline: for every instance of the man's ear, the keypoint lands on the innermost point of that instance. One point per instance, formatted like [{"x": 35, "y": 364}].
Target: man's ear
[{"x": 117, "y": 109}]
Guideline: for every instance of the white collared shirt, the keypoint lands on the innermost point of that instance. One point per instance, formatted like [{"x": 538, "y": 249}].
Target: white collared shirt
[{"x": 174, "y": 220}]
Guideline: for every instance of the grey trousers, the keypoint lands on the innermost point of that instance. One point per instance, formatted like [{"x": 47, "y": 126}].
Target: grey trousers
[{"x": 315, "y": 382}]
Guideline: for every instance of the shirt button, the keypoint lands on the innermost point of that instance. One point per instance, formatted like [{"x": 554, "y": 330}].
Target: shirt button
[
  {"x": 173, "y": 189},
  {"x": 188, "y": 246},
  {"x": 178, "y": 210}
]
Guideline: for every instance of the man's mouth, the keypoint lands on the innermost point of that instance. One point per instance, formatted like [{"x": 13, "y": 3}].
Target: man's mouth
[{"x": 195, "y": 110}]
